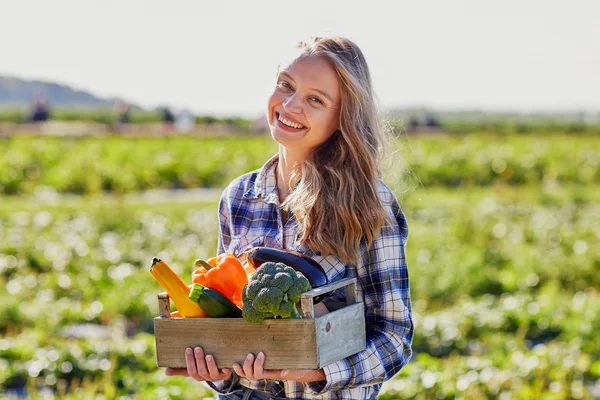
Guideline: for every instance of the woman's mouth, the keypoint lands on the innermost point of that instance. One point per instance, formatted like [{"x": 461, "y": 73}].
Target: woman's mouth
[{"x": 285, "y": 123}]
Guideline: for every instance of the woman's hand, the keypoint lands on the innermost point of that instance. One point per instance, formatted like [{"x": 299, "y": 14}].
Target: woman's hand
[
  {"x": 200, "y": 367},
  {"x": 253, "y": 370}
]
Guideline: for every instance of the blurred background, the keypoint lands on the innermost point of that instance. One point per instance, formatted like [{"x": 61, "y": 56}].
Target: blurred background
[{"x": 122, "y": 121}]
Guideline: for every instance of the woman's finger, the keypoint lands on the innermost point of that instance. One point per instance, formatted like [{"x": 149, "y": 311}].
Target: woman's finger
[
  {"x": 238, "y": 370},
  {"x": 225, "y": 374},
  {"x": 261, "y": 373},
  {"x": 176, "y": 372},
  {"x": 272, "y": 374},
  {"x": 213, "y": 372},
  {"x": 258, "y": 366},
  {"x": 302, "y": 375},
  {"x": 294, "y": 374},
  {"x": 190, "y": 363},
  {"x": 201, "y": 364},
  {"x": 248, "y": 367}
]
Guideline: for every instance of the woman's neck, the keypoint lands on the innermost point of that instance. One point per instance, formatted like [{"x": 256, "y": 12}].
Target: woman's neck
[{"x": 288, "y": 167}]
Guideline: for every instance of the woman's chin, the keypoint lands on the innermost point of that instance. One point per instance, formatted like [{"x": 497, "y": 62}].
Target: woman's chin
[{"x": 286, "y": 139}]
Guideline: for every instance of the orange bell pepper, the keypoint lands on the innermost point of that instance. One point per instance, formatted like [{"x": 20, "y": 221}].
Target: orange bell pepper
[{"x": 227, "y": 275}]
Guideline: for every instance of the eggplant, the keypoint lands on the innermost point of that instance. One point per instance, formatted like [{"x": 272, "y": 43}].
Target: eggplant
[{"x": 301, "y": 263}]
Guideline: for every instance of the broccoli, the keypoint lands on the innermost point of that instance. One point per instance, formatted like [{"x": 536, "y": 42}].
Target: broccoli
[{"x": 272, "y": 292}]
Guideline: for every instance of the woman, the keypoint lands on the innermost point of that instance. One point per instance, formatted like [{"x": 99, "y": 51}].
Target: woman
[{"x": 321, "y": 195}]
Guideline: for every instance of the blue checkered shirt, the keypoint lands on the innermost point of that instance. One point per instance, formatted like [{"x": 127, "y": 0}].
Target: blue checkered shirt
[{"x": 250, "y": 215}]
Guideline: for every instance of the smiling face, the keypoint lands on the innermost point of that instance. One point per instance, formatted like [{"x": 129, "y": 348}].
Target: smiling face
[{"x": 304, "y": 109}]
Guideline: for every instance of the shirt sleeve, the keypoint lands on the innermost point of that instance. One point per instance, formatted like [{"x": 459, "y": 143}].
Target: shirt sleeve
[
  {"x": 383, "y": 278},
  {"x": 227, "y": 386},
  {"x": 224, "y": 238}
]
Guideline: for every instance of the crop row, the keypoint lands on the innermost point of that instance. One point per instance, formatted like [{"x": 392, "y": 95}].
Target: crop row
[
  {"x": 122, "y": 165},
  {"x": 491, "y": 274}
]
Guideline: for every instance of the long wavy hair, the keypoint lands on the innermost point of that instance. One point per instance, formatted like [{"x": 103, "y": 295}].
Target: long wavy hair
[{"x": 335, "y": 200}]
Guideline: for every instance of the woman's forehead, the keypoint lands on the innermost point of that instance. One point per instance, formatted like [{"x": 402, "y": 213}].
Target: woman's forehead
[{"x": 315, "y": 72}]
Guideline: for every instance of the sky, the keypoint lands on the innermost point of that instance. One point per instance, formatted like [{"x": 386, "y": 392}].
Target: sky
[{"x": 220, "y": 57}]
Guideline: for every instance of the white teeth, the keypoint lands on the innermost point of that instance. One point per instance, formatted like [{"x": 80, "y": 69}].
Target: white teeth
[{"x": 289, "y": 123}]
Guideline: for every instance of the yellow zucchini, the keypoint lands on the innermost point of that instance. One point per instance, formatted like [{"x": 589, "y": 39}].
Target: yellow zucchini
[{"x": 176, "y": 288}]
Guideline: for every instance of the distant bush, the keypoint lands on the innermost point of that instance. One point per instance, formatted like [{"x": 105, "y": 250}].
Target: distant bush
[
  {"x": 398, "y": 125},
  {"x": 236, "y": 122},
  {"x": 109, "y": 117},
  {"x": 12, "y": 115},
  {"x": 528, "y": 127}
]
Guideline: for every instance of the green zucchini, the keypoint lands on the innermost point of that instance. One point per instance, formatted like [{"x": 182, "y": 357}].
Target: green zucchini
[{"x": 214, "y": 303}]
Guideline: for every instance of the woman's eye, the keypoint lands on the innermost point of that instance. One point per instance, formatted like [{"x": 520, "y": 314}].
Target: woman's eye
[
  {"x": 284, "y": 84},
  {"x": 316, "y": 100}
]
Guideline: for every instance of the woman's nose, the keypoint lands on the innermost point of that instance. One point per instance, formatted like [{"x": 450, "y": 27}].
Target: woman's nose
[{"x": 293, "y": 104}]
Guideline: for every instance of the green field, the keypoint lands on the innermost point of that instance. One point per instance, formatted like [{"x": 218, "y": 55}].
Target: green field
[
  {"x": 503, "y": 259},
  {"x": 119, "y": 164}
]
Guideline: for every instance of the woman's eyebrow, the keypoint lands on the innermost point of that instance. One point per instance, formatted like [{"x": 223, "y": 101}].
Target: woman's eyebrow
[
  {"x": 322, "y": 93},
  {"x": 286, "y": 75}
]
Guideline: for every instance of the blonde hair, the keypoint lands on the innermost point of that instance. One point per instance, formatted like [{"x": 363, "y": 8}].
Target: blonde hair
[{"x": 335, "y": 201}]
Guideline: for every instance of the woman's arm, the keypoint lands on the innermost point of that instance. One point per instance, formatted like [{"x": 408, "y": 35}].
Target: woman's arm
[
  {"x": 383, "y": 277},
  {"x": 226, "y": 385},
  {"x": 224, "y": 237}
]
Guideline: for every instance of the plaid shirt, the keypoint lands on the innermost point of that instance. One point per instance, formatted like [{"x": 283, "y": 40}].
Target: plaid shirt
[{"x": 250, "y": 215}]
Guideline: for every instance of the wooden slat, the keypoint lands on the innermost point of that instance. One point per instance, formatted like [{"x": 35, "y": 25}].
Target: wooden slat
[
  {"x": 286, "y": 343},
  {"x": 307, "y": 309},
  {"x": 328, "y": 288},
  {"x": 351, "y": 294},
  {"x": 341, "y": 334},
  {"x": 164, "y": 305},
  {"x": 306, "y": 343}
]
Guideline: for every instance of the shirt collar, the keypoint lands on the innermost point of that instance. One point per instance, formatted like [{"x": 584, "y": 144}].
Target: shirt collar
[{"x": 265, "y": 183}]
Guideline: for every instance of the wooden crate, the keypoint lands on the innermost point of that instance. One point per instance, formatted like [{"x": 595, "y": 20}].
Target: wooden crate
[{"x": 307, "y": 343}]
